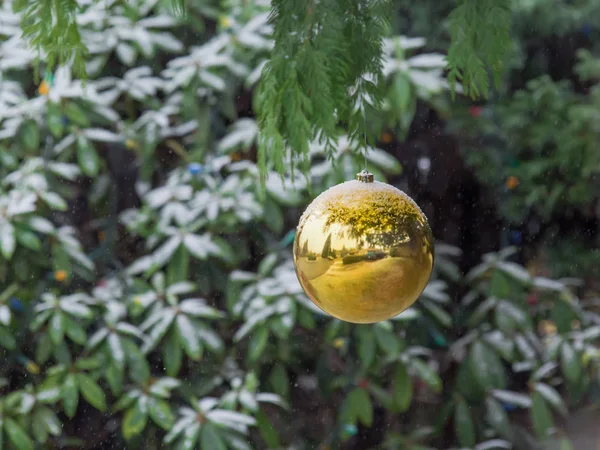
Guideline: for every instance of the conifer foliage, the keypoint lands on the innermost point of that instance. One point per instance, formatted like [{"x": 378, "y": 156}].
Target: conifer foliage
[{"x": 325, "y": 70}]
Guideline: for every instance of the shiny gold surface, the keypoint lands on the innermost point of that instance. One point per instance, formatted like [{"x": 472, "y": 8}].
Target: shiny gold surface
[{"x": 363, "y": 251}]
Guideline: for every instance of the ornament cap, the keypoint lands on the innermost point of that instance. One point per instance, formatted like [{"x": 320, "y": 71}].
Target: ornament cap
[{"x": 365, "y": 176}]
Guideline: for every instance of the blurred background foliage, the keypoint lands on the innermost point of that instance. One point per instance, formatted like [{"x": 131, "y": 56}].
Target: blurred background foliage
[{"x": 147, "y": 294}]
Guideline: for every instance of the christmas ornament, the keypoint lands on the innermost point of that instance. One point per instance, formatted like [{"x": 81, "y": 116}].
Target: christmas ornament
[{"x": 363, "y": 251}]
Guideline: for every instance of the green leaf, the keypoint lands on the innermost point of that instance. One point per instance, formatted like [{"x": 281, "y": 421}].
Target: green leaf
[
  {"x": 565, "y": 444},
  {"x": 366, "y": 346},
  {"x": 76, "y": 115},
  {"x": 403, "y": 388},
  {"x": 75, "y": 331},
  {"x": 57, "y": 330},
  {"x": 486, "y": 367},
  {"x": 359, "y": 402},
  {"x": 134, "y": 422},
  {"x": 17, "y": 435},
  {"x": 482, "y": 311},
  {"x": 54, "y": 120},
  {"x": 28, "y": 239},
  {"x": 177, "y": 269},
  {"x": 114, "y": 378},
  {"x": 427, "y": 374},
  {"x": 267, "y": 430},
  {"x": 280, "y": 381},
  {"x": 139, "y": 370},
  {"x": 43, "y": 350},
  {"x": 276, "y": 220},
  {"x": 267, "y": 264},
  {"x": 211, "y": 439},
  {"x": 87, "y": 157},
  {"x": 569, "y": 363},
  {"x": 30, "y": 135},
  {"x": 7, "y": 239},
  {"x": 38, "y": 428},
  {"x": 161, "y": 413},
  {"x": 500, "y": 287},
  {"x": 497, "y": 418},
  {"x": 117, "y": 352},
  {"x": 190, "y": 437},
  {"x": 387, "y": 340},
  {"x": 552, "y": 397},
  {"x": 188, "y": 337},
  {"x": 441, "y": 316},
  {"x": 257, "y": 343},
  {"x": 92, "y": 392},
  {"x": 401, "y": 91},
  {"x": 541, "y": 417},
  {"x": 7, "y": 340},
  {"x": 172, "y": 354},
  {"x": 70, "y": 395},
  {"x": 463, "y": 425},
  {"x": 62, "y": 354},
  {"x": 50, "y": 421},
  {"x": 381, "y": 396}
]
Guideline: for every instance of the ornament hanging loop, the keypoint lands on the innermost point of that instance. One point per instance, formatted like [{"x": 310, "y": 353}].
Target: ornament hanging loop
[{"x": 365, "y": 176}]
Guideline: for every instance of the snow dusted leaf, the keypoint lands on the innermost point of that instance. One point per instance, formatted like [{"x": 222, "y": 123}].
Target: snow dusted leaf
[
  {"x": 101, "y": 135},
  {"x": 512, "y": 398},
  {"x": 79, "y": 257},
  {"x": 54, "y": 200},
  {"x": 116, "y": 349},
  {"x": 515, "y": 271},
  {"x": 244, "y": 132},
  {"x": 68, "y": 171},
  {"x": 140, "y": 265},
  {"x": 97, "y": 338},
  {"x": 548, "y": 284},
  {"x": 544, "y": 371},
  {"x": 188, "y": 337},
  {"x": 228, "y": 418},
  {"x": 183, "y": 287},
  {"x": 494, "y": 444},
  {"x": 201, "y": 246},
  {"x": 428, "y": 60},
  {"x": 64, "y": 144},
  {"x": 552, "y": 397},
  {"x": 126, "y": 53},
  {"x": 179, "y": 428},
  {"x": 5, "y": 315},
  {"x": 159, "y": 330},
  {"x": 198, "y": 308},
  {"x": 8, "y": 240},
  {"x": 253, "y": 321},
  {"x": 41, "y": 225},
  {"x": 267, "y": 397},
  {"x": 163, "y": 386},
  {"x": 210, "y": 338},
  {"x": 383, "y": 159},
  {"x": 76, "y": 309},
  {"x": 129, "y": 329},
  {"x": 163, "y": 254},
  {"x": 238, "y": 275}
]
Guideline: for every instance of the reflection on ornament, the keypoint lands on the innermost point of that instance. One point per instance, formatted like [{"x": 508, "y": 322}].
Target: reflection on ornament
[{"x": 363, "y": 251}]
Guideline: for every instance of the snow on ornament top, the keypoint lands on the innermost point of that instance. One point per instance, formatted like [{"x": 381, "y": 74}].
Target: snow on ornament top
[{"x": 363, "y": 251}]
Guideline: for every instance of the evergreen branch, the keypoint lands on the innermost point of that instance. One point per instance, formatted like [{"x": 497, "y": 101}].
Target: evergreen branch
[
  {"x": 51, "y": 28},
  {"x": 324, "y": 73},
  {"x": 480, "y": 32}
]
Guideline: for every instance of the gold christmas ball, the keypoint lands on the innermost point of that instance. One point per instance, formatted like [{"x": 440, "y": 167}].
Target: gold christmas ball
[{"x": 363, "y": 251}]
